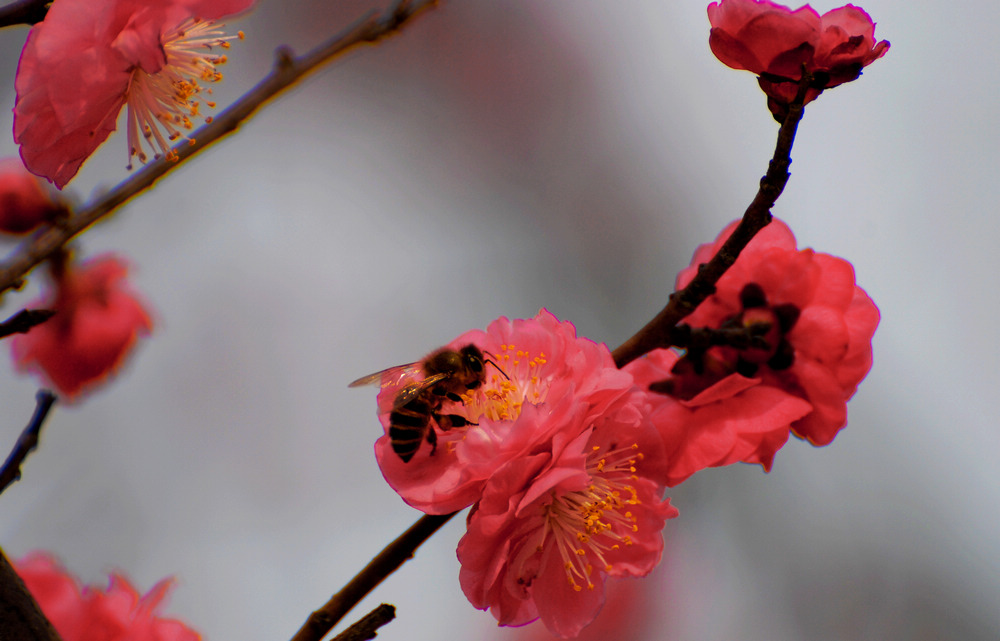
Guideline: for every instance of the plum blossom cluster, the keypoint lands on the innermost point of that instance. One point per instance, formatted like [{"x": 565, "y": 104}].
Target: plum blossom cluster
[
  {"x": 779, "y": 44},
  {"x": 118, "y": 613},
  {"x": 89, "y": 58},
  {"x": 564, "y": 457},
  {"x": 562, "y": 467}
]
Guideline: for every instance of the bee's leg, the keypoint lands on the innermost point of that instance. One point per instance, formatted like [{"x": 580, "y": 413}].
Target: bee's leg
[
  {"x": 432, "y": 438},
  {"x": 455, "y": 398},
  {"x": 448, "y": 421}
]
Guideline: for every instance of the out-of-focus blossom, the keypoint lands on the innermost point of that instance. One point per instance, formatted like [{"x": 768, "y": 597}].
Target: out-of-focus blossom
[
  {"x": 553, "y": 524},
  {"x": 91, "y": 614},
  {"x": 547, "y": 381},
  {"x": 97, "y": 322},
  {"x": 820, "y": 327},
  {"x": 89, "y": 58},
  {"x": 775, "y": 43},
  {"x": 25, "y": 201}
]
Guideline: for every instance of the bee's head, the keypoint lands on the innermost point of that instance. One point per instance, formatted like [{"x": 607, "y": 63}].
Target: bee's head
[{"x": 472, "y": 359}]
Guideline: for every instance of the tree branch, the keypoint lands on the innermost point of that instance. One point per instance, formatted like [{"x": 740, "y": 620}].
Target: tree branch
[
  {"x": 656, "y": 333},
  {"x": 20, "y": 617},
  {"x": 11, "y": 470},
  {"x": 27, "y": 12},
  {"x": 366, "y": 627},
  {"x": 288, "y": 70},
  {"x": 385, "y": 563},
  {"x": 24, "y": 320}
]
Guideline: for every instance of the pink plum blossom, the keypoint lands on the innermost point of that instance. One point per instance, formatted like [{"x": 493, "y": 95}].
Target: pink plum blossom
[
  {"x": 735, "y": 419},
  {"x": 97, "y": 322},
  {"x": 118, "y": 613},
  {"x": 89, "y": 58},
  {"x": 553, "y": 524},
  {"x": 736, "y": 401},
  {"x": 546, "y": 380},
  {"x": 25, "y": 200},
  {"x": 775, "y": 43}
]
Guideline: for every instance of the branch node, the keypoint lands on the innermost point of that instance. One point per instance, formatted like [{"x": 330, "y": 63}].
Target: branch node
[{"x": 284, "y": 58}]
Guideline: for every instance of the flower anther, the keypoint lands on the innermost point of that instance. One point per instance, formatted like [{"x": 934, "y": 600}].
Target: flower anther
[
  {"x": 586, "y": 524},
  {"x": 162, "y": 105},
  {"x": 505, "y": 392}
]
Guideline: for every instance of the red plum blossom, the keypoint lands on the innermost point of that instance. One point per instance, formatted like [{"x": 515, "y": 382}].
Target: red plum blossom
[
  {"x": 97, "y": 322},
  {"x": 118, "y": 613},
  {"x": 554, "y": 524},
  {"x": 735, "y": 419},
  {"x": 89, "y": 58},
  {"x": 776, "y": 43},
  {"x": 25, "y": 201},
  {"x": 737, "y": 401}
]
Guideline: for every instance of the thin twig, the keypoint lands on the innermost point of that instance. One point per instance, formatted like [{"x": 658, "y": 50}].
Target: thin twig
[
  {"x": 656, "y": 333},
  {"x": 288, "y": 70},
  {"x": 24, "y": 320},
  {"x": 27, "y": 12},
  {"x": 385, "y": 563},
  {"x": 11, "y": 470},
  {"x": 367, "y": 627}
]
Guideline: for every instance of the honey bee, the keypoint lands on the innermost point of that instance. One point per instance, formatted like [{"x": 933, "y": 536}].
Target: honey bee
[{"x": 443, "y": 376}]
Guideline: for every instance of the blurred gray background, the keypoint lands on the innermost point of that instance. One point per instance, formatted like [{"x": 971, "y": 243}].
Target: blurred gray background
[{"x": 495, "y": 158}]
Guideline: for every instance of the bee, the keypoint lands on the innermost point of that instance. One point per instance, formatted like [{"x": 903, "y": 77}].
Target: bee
[{"x": 443, "y": 376}]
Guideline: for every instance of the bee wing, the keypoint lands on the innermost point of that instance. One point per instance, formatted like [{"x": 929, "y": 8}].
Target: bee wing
[
  {"x": 414, "y": 390},
  {"x": 389, "y": 376}
]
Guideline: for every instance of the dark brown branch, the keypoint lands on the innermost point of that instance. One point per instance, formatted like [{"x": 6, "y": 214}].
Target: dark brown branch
[
  {"x": 656, "y": 333},
  {"x": 367, "y": 627},
  {"x": 11, "y": 470},
  {"x": 288, "y": 70},
  {"x": 388, "y": 561},
  {"x": 20, "y": 617},
  {"x": 24, "y": 320},
  {"x": 23, "y": 12}
]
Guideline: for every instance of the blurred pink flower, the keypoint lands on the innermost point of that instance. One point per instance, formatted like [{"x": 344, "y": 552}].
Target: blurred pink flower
[
  {"x": 25, "y": 201},
  {"x": 774, "y": 42},
  {"x": 819, "y": 346},
  {"x": 97, "y": 322},
  {"x": 89, "y": 58},
  {"x": 553, "y": 524},
  {"x": 116, "y": 614},
  {"x": 552, "y": 381}
]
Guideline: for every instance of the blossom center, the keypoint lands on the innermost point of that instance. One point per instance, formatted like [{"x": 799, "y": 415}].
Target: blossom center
[
  {"x": 587, "y": 524},
  {"x": 162, "y": 105},
  {"x": 779, "y": 319},
  {"x": 516, "y": 379}
]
